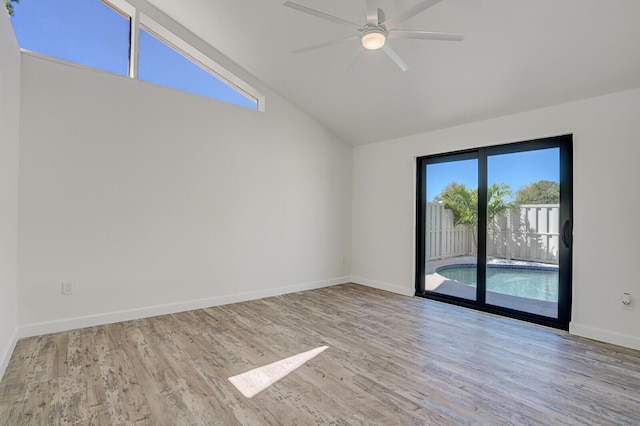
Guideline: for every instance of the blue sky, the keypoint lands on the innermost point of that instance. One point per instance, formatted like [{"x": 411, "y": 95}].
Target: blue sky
[
  {"x": 90, "y": 33},
  {"x": 516, "y": 170}
]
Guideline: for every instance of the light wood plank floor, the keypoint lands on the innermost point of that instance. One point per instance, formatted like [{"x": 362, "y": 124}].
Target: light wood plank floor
[{"x": 392, "y": 360}]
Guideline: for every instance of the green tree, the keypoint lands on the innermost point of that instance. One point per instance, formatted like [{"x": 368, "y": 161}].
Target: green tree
[
  {"x": 463, "y": 202},
  {"x": 9, "y": 5},
  {"x": 540, "y": 192}
]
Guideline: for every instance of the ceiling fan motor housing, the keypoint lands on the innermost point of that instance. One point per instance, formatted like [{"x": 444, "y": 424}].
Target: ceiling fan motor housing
[{"x": 373, "y": 36}]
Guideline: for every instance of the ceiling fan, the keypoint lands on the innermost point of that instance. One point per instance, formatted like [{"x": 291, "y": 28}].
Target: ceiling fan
[{"x": 375, "y": 32}]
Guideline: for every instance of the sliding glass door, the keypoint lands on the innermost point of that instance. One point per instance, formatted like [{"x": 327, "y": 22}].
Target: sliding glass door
[
  {"x": 494, "y": 229},
  {"x": 451, "y": 226},
  {"x": 523, "y": 239}
]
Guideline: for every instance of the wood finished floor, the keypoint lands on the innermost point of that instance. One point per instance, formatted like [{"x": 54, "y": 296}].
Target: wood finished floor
[{"x": 392, "y": 360}]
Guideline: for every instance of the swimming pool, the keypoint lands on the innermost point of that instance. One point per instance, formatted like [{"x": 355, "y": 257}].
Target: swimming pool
[{"x": 531, "y": 282}]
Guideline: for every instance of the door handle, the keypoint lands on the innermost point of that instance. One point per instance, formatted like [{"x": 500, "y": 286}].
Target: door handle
[{"x": 565, "y": 238}]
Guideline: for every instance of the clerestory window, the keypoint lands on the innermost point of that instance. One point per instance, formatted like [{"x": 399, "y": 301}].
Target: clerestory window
[
  {"x": 116, "y": 37},
  {"x": 162, "y": 64},
  {"x": 85, "y": 32}
]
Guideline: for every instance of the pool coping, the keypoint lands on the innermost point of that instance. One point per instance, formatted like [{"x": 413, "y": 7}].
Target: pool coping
[{"x": 442, "y": 285}]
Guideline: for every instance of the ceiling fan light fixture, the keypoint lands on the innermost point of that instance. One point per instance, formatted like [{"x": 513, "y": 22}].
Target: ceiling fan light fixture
[{"x": 373, "y": 39}]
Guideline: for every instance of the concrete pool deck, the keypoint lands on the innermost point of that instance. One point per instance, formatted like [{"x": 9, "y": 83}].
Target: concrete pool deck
[{"x": 439, "y": 284}]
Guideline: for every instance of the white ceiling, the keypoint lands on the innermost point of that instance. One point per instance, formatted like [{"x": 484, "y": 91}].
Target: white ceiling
[{"x": 517, "y": 55}]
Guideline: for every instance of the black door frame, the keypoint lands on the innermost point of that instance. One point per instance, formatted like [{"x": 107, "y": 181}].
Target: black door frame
[{"x": 565, "y": 144}]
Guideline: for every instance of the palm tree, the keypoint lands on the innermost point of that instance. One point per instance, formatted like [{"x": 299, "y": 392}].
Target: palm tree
[
  {"x": 463, "y": 202},
  {"x": 8, "y": 4},
  {"x": 496, "y": 194}
]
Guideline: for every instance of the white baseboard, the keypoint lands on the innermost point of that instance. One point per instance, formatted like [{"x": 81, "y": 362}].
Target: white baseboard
[
  {"x": 5, "y": 355},
  {"x": 384, "y": 286},
  {"x": 47, "y": 327},
  {"x": 604, "y": 335}
]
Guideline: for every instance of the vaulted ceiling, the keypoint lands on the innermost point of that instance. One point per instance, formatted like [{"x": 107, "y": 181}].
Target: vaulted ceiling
[{"x": 517, "y": 55}]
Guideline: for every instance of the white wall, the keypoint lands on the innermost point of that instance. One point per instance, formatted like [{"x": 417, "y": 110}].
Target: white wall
[
  {"x": 149, "y": 200},
  {"x": 606, "y": 173},
  {"x": 9, "y": 138}
]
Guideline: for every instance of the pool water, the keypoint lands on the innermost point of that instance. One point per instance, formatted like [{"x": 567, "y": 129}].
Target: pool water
[{"x": 522, "y": 281}]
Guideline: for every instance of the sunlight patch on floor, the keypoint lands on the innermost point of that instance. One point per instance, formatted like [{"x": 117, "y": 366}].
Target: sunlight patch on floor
[{"x": 255, "y": 381}]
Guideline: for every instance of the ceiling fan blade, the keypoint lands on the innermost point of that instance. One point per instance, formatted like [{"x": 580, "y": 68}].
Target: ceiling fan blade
[
  {"x": 410, "y": 13},
  {"x": 327, "y": 43},
  {"x": 395, "y": 57},
  {"x": 372, "y": 12},
  {"x": 319, "y": 14},
  {"x": 353, "y": 60},
  {"x": 425, "y": 35}
]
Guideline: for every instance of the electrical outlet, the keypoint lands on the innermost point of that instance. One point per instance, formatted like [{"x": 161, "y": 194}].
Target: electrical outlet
[{"x": 67, "y": 288}]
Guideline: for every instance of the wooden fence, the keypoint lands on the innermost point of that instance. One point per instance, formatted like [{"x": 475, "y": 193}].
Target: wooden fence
[
  {"x": 526, "y": 232},
  {"x": 443, "y": 239}
]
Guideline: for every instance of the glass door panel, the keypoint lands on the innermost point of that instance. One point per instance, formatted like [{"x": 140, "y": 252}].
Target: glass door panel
[
  {"x": 523, "y": 231},
  {"x": 451, "y": 228}
]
